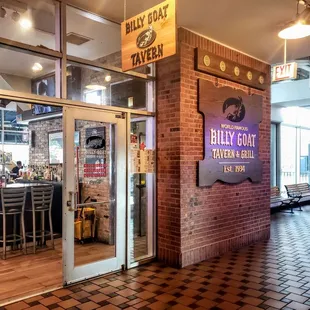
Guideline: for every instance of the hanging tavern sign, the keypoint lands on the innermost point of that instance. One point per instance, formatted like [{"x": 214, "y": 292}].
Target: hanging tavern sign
[
  {"x": 149, "y": 36},
  {"x": 231, "y": 135}
]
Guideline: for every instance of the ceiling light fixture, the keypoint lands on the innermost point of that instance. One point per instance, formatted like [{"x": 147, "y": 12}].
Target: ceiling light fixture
[
  {"x": 93, "y": 86},
  {"x": 37, "y": 67},
  {"x": 2, "y": 13},
  {"x": 15, "y": 16},
  {"x": 300, "y": 27},
  {"x": 25, "y": 23},
  {"x": 94, "y": 83},
  {"x": 108, "y": 78}
]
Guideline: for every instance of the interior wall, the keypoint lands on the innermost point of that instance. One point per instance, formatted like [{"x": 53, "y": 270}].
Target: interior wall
[
  {"x": 195, "y": 223},
  {"x": 38, "y": 150},
  {"x": 17, "y": 83}
]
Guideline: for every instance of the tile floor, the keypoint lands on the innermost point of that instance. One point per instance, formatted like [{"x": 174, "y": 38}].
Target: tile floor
[{"x": 269, "y": 275}]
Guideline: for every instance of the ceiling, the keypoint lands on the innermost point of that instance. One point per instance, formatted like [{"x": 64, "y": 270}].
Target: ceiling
[
  {"x": 250, "y": 26},
  {"x": 246, "y": 25},
  {"x": 104, "y": 38}
]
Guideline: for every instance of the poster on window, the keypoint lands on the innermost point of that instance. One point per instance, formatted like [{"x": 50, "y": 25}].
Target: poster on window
[
  {"x": 95, "y": 165},
  {"x": 96, "y": 138},
  {"x": 142, "y": 161}
]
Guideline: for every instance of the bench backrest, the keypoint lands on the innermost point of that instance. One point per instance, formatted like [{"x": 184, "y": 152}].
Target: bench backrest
[
  {"x": 303, "y": 187},
  {"x": 275, "y": 192},
  {"x": 297, "y": 188}
]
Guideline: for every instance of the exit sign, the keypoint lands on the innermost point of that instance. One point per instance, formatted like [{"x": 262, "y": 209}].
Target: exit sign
[{"x": 285, "y": 72}]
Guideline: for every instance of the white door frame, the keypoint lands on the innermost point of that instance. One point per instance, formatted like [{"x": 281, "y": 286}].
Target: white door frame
[{"x": 72, "y": 274}]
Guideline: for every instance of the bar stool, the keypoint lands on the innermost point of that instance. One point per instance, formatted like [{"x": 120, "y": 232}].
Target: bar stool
[
  {"x": 13, "y": 204},
  {"x": 42, "y": 199}
]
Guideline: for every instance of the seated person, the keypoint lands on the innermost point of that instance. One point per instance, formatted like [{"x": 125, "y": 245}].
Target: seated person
[{"x": 16, "y": 169}]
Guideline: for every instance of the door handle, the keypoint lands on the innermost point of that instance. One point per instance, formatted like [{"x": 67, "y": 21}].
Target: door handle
[{"x": 71, "y": 203}]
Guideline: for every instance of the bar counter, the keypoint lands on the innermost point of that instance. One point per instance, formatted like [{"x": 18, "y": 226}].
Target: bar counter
[{"x": 56, "y": 206}]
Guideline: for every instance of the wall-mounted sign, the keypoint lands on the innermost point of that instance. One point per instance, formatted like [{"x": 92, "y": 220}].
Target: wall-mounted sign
[
  {"x": 149, "y": 36},
  {"x": 231, "y": 135},
  {"x": 284, "y": 72},
  {"x": 230, "y": 70}
]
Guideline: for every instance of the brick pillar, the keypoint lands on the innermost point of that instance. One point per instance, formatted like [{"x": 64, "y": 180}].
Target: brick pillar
[
  {"x": 195, "y": 223},
  {"x": 168, "y": 160}
]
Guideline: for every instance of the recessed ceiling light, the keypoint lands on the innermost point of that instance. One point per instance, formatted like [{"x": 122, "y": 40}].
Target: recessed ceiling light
[
  {"x": 25, "y": 23},
  {"x": 15, "y": 16},
  {"x": 108, "y": 78},
  {"x": 37, "y": 67}
]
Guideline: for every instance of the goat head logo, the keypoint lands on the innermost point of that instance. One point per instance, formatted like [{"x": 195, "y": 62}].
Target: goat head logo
[{"x": 234, "y": 109}]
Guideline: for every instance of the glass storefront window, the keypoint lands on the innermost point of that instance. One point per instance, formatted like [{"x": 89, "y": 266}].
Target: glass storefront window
[
  {"x": 92, "y": 37},
  {"x": 16, "y": 138},
  {"x": 273, "y": 155},
  {"x": 105, "y": 87},
  {"x": 142, "y": 180},
  {"x": 11, "y": 123},
  {"x": 304, "y": 175},
  {"x": 97, "y": 39},
  {"x": 288, "y": 155},
  {"x": 27, "y": 73},
  {"x": 29, "y": 22}
]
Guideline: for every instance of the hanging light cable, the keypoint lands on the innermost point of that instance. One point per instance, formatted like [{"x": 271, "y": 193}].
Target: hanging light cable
[{"x": 125, "y": 9}]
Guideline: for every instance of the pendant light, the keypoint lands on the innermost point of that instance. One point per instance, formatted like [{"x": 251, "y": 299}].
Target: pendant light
[
  {"x": 300, "y": 27},
  {"x": 94, "y": 83}
]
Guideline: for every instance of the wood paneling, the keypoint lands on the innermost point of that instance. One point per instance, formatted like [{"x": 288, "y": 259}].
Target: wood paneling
[{"x": 219, "y": 66}]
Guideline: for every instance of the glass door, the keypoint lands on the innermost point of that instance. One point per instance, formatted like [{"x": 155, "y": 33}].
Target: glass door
[{"x": 94, "y": 203}]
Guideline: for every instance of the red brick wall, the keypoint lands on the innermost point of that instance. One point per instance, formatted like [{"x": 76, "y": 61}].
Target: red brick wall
[
  {"x": 195, "y": 223},
  {"x": 168, "y": 161}
]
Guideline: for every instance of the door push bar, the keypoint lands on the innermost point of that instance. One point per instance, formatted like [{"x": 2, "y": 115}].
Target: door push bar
[{"x": 73, "y": 206}]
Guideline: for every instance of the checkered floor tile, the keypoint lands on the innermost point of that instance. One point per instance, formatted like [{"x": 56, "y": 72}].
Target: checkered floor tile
[{"x": 268, "y": 275}]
